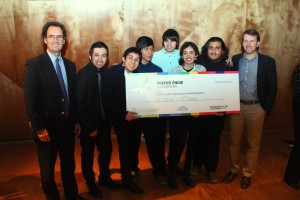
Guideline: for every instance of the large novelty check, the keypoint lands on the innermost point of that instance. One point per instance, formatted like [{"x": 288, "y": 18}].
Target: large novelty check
[{"x": 182, "y": 94}]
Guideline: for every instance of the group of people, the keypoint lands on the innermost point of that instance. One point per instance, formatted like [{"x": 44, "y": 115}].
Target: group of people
[{"x": 62, "y": 104}]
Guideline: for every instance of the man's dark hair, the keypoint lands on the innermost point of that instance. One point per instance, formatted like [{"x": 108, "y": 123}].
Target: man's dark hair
[
  {"x": 172, "y": 35},
  {"x": 184, "y": 46},
  {"x": 132, "y": 50},
  {"x": 56, "y": 24},
  {"x": 98, "y": 44},
  {"x": 143, "y": 42},
  {"x": 204, "y": 49}
]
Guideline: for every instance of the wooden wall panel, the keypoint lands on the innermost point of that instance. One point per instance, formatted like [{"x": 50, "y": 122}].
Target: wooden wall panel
[
  {"x": 13, "y": 120},
  {"x": 120, "y": 22}
]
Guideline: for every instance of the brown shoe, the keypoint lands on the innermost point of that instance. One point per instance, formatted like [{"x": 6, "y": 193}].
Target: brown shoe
[
  {"x": 246, "y": 182},
  {"x": 188, "y": 180},
  {"x": 229, "y": 177}
]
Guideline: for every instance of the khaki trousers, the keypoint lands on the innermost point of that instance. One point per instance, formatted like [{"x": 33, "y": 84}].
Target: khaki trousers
[{"x": 252, "y": 118}]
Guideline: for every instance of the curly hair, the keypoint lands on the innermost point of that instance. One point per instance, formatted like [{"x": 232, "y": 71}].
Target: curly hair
[{"x": 204, "y": 49}]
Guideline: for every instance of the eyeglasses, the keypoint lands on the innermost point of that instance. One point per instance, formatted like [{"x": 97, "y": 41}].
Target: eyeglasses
[{"x": 58, "y": 37}]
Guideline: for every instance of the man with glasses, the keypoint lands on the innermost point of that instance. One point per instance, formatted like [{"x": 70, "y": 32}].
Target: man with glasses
[{"x": 49, "y": 84}]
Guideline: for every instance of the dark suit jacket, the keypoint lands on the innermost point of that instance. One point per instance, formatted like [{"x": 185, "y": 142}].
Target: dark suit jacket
[
  {"x": 114, "y": 94},
  {"x": 88, "y": 99},
  {"x": 266, "y": 79},
  {"x": 43, "y": 94}
]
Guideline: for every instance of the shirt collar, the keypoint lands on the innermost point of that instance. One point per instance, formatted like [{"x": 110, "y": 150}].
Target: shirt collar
[
  {"x": 165, "y": 52},
  {"x": 53, "y": 57},
  {"x": 253, "y": 59}
]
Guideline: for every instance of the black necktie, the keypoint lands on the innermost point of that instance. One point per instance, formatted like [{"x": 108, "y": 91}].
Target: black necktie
[
  {"x": 100, "y": 96},
  {"x": 63, "y": 87}
]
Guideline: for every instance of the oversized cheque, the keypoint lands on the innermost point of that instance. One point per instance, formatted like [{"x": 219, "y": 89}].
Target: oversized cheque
[{"x": 180, "y": 94}]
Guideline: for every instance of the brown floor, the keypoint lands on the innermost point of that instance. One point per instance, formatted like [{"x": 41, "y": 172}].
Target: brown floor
[{"x": 19, "y": 175}]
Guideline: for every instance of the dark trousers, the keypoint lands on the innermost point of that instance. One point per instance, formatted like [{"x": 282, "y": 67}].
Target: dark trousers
[
  {"x": 62, "y": 144},
  {"x": 179, "y": 129},
  {"x": 104, "y": 147},
  {"x": 292, "y": 172},
  {"x": 129, "y": 137},
  {"x": 206, "y": 142},
  {"x": 154, "y": 132}
]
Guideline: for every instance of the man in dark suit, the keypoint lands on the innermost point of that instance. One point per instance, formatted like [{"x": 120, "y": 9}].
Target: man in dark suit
[
  {"x": 292, "y": 171},
  {"x": 153, "y": 128},
  {"x": 258, "y": 88},
  {"x": 49, "y": 84},
  {"x": 124, "y": 121},
  {"x": 95, "y": 129}
]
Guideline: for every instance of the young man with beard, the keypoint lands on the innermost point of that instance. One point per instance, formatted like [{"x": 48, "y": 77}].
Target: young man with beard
[{"x": 207, "y": 144}]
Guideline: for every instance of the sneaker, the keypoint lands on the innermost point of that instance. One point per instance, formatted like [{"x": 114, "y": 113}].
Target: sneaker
[{"x": 212, "y": 177}]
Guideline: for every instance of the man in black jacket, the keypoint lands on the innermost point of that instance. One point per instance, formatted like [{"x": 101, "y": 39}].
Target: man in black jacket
[
  {"x": 258, "y": 88},
  {"x": 292, "y": 171},
  {"x": 124, "y": 121},
  {"x": 95, "y": 128},
  {"x": 49, "y": 89}
]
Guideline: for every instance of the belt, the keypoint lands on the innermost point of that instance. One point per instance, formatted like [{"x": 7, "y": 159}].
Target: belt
[{"x": 249, "y": 102}]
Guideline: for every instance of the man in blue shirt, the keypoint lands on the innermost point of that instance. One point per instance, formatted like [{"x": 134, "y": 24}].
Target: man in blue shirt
[
  {"x": 168, "y": 56},
  {"x": 258, "y": 88}
]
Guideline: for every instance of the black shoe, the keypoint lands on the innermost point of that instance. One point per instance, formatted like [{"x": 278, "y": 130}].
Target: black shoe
[
  {"x": 178, "y": 171},
  {"x": 172, "y": 181},
  {"x": 246, "y": 182},
  {"x": 188, "y": 180},
  {"x": 130, "y": 185},
  {"x": 229, "y": 177},
  {"x": 135, "y": 171},
  {"x": 293, "y": 185},
  {"x": 161, "y": 179},
  {"x": 95, "y": 191},
  {"x": 76, "y": 197},
  {"x": 108, "y": 182}
]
